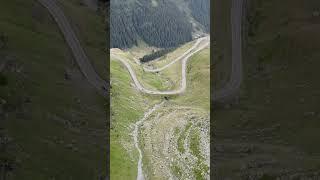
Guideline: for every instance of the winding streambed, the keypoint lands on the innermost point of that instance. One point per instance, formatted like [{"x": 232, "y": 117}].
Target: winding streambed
[{"x": 135, "y": 133}]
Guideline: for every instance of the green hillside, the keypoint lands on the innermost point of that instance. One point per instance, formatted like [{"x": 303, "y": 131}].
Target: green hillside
[
  {"x": 49, "y": 130},
  {"x": 272, "y": 130},
  {"x": 128, "y": 106}
]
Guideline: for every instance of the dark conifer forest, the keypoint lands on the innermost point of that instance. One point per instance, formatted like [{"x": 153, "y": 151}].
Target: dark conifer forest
[{"x": 158, "y": 23}]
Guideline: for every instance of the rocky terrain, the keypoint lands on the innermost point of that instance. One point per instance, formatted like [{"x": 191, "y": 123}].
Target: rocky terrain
[{"x": 175, "y": 143}]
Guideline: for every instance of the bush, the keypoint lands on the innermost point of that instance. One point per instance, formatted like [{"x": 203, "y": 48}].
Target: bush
[
  {"x": 156, "y": 55},
  {"x": 3, "y": 80}
]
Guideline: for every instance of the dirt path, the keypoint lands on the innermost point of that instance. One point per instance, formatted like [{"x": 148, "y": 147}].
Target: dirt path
[{"x": 232, "y": 86}]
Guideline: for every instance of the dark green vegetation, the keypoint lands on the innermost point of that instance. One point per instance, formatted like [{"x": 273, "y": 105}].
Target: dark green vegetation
[
  {"x": 48, "y": 128},
  {"x": 200, "y": 10},
  {"x": 155, "y": 55},
  {"x": 3, "y": 80},
  {"x": 157, "y": 23},
  {"x": 274, "y": 127}
]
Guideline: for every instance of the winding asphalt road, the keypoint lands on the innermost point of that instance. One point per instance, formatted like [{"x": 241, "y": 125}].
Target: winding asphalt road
[
  {"x": 232, "y": 87},
  {"x": 79, "y": 54},
  {"x": 183, "y": 86},
  {"x": 101, "y": 85}
]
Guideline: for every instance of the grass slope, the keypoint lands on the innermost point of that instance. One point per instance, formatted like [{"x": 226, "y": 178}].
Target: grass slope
[
  {"x": 52, "y": 135},
  {"x": 277, "y": 117},
  {"x": 128, "y": 106},
  {"x": 89, "y": 32}
]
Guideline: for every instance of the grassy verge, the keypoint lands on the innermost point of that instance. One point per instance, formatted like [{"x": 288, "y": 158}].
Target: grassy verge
[
  {"x": 91, "y": 32},
  {"x": 198, "y": 81}
]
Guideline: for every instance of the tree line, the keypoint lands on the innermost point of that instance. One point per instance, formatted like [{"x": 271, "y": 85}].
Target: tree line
[{"x": 155, "y": 55}]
